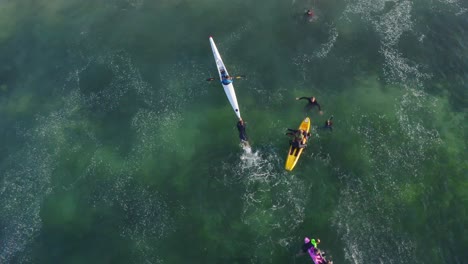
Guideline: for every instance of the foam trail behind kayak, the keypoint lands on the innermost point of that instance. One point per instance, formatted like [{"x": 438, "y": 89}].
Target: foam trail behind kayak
[{"x": 246, "y": 147}]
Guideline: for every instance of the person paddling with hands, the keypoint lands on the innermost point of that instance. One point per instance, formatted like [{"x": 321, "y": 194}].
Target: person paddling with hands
[
  {"x": 311, "y": 103},
  {"x": 242, "y": 133},
  {"x": 241, "y": 129}
]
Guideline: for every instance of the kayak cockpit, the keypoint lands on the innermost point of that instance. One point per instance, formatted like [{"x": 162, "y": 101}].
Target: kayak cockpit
[{"x": 225, "y": 78}]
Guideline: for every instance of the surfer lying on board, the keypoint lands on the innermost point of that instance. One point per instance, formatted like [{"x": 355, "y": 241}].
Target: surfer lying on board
[
  {"x": 299, "y": 136},
  {"x": 311, "y": 103},
  {"x": 309, "y": 13},
  {"x": 226, "y": 79}
]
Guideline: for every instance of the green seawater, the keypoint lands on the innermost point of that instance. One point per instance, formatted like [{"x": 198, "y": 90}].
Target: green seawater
[{"x": 116, "y": 150}]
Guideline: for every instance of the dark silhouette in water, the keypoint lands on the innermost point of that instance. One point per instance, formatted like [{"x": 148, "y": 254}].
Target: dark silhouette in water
[{"x": 241, "y": 125}]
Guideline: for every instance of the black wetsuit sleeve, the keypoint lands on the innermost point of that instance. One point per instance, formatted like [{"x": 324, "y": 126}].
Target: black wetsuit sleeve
[
  {"x": 292, "y": 130},
  {"x": 318, "y": 105},
  {"x": 307, "y": 98}
]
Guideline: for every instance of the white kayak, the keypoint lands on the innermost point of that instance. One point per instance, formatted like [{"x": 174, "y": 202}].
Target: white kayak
[{"x": 222, "y": 71}]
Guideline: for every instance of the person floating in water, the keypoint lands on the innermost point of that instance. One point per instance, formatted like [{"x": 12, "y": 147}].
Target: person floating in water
[
  {"x": 299, "y": 136},
  {"x": 328, "y": 124},
  {"x": 311, "y": 103},
  {"x": 310, "y": 15},
  {"x": 242, "y": 134},
  {"x": 225, "y": 79},
  {"x": 241, "y": 127}
]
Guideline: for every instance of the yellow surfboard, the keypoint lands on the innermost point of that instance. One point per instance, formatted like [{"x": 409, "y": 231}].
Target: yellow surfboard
[{"x": 295, "y": 153}]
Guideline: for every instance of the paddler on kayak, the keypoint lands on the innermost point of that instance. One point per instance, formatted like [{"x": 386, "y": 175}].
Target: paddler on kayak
[
  {"x": 311, "y": 103},
  {"x": 226, "y": 79}
]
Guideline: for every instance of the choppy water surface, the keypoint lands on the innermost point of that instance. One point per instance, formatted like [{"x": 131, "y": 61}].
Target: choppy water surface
[{"x": 115, "y": 149}]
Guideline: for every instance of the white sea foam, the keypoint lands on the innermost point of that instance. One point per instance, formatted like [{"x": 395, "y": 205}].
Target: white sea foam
[
  {"x": 27, "y": 178},
  {"x": 321, "y": 52},
  {"x": 22, "y": 191},
  {"x": 136, "y": 3},
  {"x": 394, "y": 23},
  {"x": 456, "y": 5},
  {"x": 369, "y": 238},
  {"x": 234, "y": 36},
  {"x": 326, "y": 47},
  {"x": 391, "y": 26},
  {"x": 274, "y": 200},
  {"x": 369, "y": 203},
  {"x": 146, "y": 218}
]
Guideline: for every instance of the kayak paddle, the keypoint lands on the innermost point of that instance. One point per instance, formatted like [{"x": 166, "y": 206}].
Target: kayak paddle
[{"x": 235, "y": 77}]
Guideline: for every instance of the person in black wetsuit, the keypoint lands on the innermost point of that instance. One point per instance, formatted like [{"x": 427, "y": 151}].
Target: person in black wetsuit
[
  {"x": 328, "y": 124},
  {"x": 296, "y": 143},
  {"x": 311, "y": 103},
  {"x": 241, "y": 128}
]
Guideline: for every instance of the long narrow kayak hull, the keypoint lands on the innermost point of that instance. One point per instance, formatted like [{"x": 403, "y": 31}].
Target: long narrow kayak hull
[
  {"x": 228, "y": 89},
  {"x": 295, "y": 153}
]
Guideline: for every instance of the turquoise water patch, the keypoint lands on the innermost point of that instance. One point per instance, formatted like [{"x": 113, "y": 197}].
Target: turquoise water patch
[{"x": 116, "y": 149}]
